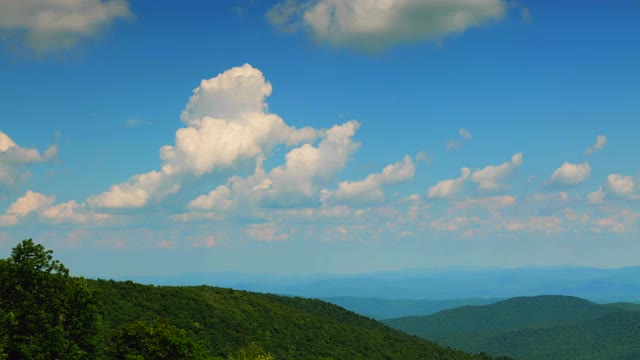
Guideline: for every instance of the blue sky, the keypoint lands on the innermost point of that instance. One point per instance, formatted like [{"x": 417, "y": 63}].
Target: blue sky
[{"x": 144, "y": 137}]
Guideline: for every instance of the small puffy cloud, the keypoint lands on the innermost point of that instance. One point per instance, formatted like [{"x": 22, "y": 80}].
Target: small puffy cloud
[
  {"x": 570, "y": 174},
  {"x": 136, "y": 192},
  {"x": 620, "y": 185},
  {"x": 371, "y": 188},
  {"x": 494, "y": 202},
  {"x": 11, "y": 153},
  {"x": 450, "y": 187},
  {"x": 48, "y": 25},
  {"x": 285, "y": 15},
  {"x": 601, "y": 142},
  {"x": 373, "y": 25},
  {"x": 620, "y": 222},
  {"x": 72, "y": 212},
  {"x": 596, "y": 197},
  {"x": 135, "y": 122},
  {"x": 489, "y": 177},
  {"x": 453, "y": 145},
  {"x": 14, "y": 159},
  {"x": 465, "y": 134},
  {"x": 218, "y": 199},
  {"x": 31, "y": 201},
  {"x": 422, "y": 156},
  {"x": 544, "y": 224}
]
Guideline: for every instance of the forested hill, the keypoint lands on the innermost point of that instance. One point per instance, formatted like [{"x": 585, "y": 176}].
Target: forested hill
[
  {"x": 515, "y": 313},
  {"x": 535, "y": 328},
  {"x": 225, "y": 320}
]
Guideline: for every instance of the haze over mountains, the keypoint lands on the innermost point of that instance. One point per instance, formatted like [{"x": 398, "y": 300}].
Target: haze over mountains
[{"x": 599, "y": 285}]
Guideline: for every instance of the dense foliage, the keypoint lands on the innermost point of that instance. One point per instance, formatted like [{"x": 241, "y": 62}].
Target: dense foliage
[
  {"x": 44, "y": 312},
  {"x": 224, "y": 320},
  {"x": 47, "y": 314},
  {"x": 543, "y": 327},
  {"x": 140, "y": 340}
]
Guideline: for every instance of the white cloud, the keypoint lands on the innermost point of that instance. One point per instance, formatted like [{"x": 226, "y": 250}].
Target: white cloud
[
  {"x": 14, "y": 159},
  {"x": 227, "y": 122},
  {"x": 596, "y": 197},
  {"x": 297, "y": 182},
  {"x": 620, "y": 185},
  {"x": 570, "y": 174},
  {"x": 601, "y": 142},
  {"x": 489, "y": 177},
  {"x": 31, "y": 201},
  {"x": 307, "y": 163},
  {"x": 371, "y": 188},
  {"x": 620, "y": 222},
  {"x": 465, "y": 134},
  {"x": 49, "y": 25},
  {"x": 72, "y": 212},
  {"x": 136, "y": 192},
  {"x": 373, "y": 25},
  {"x": 450, "y": 187},
  {"x": 218, "y": 199}
]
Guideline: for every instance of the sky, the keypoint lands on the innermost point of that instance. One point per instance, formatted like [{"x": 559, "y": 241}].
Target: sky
[{"x": 143, "y": 137}]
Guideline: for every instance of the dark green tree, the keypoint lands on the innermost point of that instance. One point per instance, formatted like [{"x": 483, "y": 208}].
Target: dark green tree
[
  {"x": 44, "y": 312},
  {"x": 141, "y": 341}
]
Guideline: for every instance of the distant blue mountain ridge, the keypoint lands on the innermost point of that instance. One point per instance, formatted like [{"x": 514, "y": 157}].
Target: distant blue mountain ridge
[{"x": 599, "y": 285}]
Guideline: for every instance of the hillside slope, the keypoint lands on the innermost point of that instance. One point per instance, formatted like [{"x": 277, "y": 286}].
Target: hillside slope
[
  {"x": 542, "y": 327},
  {"x": 610, "y": 337},
  {"x": 224, "y": 320},
  {"x": 514, "y": 313}
]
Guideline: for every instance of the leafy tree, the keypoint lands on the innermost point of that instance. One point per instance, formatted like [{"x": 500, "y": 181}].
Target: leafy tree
[
  {"x": 141, "y": 341},
  {"x": 44, "y": 312}
]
